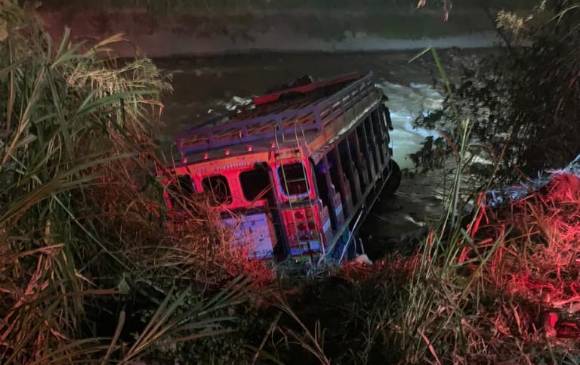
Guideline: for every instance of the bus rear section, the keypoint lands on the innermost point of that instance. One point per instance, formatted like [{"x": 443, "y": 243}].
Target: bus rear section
[{"x": 269, "y": 203}]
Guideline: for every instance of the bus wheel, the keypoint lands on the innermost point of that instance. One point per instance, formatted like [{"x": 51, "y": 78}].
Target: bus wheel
[{"x": 394, "y": 178}]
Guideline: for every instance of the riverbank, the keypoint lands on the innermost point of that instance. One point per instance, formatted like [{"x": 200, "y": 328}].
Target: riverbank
[{"x": 216, "y": 31}]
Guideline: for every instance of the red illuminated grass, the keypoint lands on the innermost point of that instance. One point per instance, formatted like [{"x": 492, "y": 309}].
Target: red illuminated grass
[
  {"x": 505, "y": 291},
  {"x": 537, "y": 259}
]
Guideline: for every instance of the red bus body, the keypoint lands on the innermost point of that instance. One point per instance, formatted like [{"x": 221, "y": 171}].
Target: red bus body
[{"x": 294, "y": 172}]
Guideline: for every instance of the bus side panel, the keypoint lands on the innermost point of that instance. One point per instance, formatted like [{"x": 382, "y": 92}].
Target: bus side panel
[{"x": 254, "y": 232}]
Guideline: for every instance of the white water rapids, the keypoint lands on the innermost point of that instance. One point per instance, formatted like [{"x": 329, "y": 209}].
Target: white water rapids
[{"x": 406, "y": 103}]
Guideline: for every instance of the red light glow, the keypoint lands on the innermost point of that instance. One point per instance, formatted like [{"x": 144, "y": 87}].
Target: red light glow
[{"x": 534, "y": 248}]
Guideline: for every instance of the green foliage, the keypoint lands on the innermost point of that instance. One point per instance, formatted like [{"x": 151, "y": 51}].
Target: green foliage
[{"x": 524, "y": 100}]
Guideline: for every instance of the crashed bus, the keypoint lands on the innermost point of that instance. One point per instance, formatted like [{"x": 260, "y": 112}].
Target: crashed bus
[{"x": 294, "y": 172}]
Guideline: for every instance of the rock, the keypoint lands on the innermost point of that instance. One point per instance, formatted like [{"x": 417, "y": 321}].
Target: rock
[{"x": 363, "y": 260}]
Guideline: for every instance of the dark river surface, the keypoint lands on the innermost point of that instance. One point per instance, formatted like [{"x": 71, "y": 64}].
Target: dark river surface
[{"x": 203, "y": 85}]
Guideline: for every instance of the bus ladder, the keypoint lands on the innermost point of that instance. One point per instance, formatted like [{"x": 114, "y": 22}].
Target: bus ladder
[{"x": 299, "y": 146}]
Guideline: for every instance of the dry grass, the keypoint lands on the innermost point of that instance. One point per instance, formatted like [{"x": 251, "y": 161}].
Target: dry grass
[
  {"x": 83, "y": 230},
  {"x": 503, "y": 291},
  {"x": 538, "y": 263}
]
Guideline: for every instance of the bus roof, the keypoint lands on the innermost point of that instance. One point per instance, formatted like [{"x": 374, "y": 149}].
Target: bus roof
[{"x": 310, "y": 112}]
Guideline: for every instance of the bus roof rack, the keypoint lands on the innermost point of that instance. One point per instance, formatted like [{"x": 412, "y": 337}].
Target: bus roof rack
[{"x": 310, "y": 107}]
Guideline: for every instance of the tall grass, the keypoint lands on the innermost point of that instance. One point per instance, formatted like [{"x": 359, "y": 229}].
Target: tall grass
[
  {"x": 83, "y": 244},
  {"x": 494, "y": 286}
]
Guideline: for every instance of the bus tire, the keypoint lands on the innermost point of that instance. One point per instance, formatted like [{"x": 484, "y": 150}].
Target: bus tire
[{"x": 394, "y": 180}]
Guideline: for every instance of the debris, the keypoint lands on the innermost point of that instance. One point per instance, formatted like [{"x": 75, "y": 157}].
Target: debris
[
  {"x": 498, "y": 197},
  {"x": 363, "y": 260},
  {"x": 237, "y": 102}
]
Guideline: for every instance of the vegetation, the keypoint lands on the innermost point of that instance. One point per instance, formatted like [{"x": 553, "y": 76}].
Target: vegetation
[
  {"x": 93, "y": 271},
  {"x": 499, "y": 285},
  {"x": 88, "y": 269},
  {"x": 524, "y": 100}
]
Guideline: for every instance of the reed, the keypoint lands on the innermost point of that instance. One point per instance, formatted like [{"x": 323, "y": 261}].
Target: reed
[{"x": 88, "y": 268}]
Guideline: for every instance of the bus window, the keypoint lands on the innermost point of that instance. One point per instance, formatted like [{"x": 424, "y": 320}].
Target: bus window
[
  {"x": 180, "y": 192},
  {"x": 367, "y": 125},
  {"x": 378, "y": 134},
  {"x": 293, "y": 178},
  {"x": 218, "y": 186},
  {"x": 320, "y": 172},
  {"x": 255, "y": 184},
  {"x": 349, "y": 169}
]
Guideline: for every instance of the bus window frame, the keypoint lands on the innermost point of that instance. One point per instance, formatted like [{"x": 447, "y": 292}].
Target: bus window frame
[
  {"x": 243, "y": 194},
  {"x": 279, "y": 181},
  {"x": 230, "y": 195}
]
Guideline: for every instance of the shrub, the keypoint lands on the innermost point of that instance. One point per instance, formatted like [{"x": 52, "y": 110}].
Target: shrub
[{"x": 524, "y": 100}]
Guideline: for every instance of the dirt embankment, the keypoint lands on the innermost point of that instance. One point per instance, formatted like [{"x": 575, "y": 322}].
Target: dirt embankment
[{"x": 286, "y": 30}]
